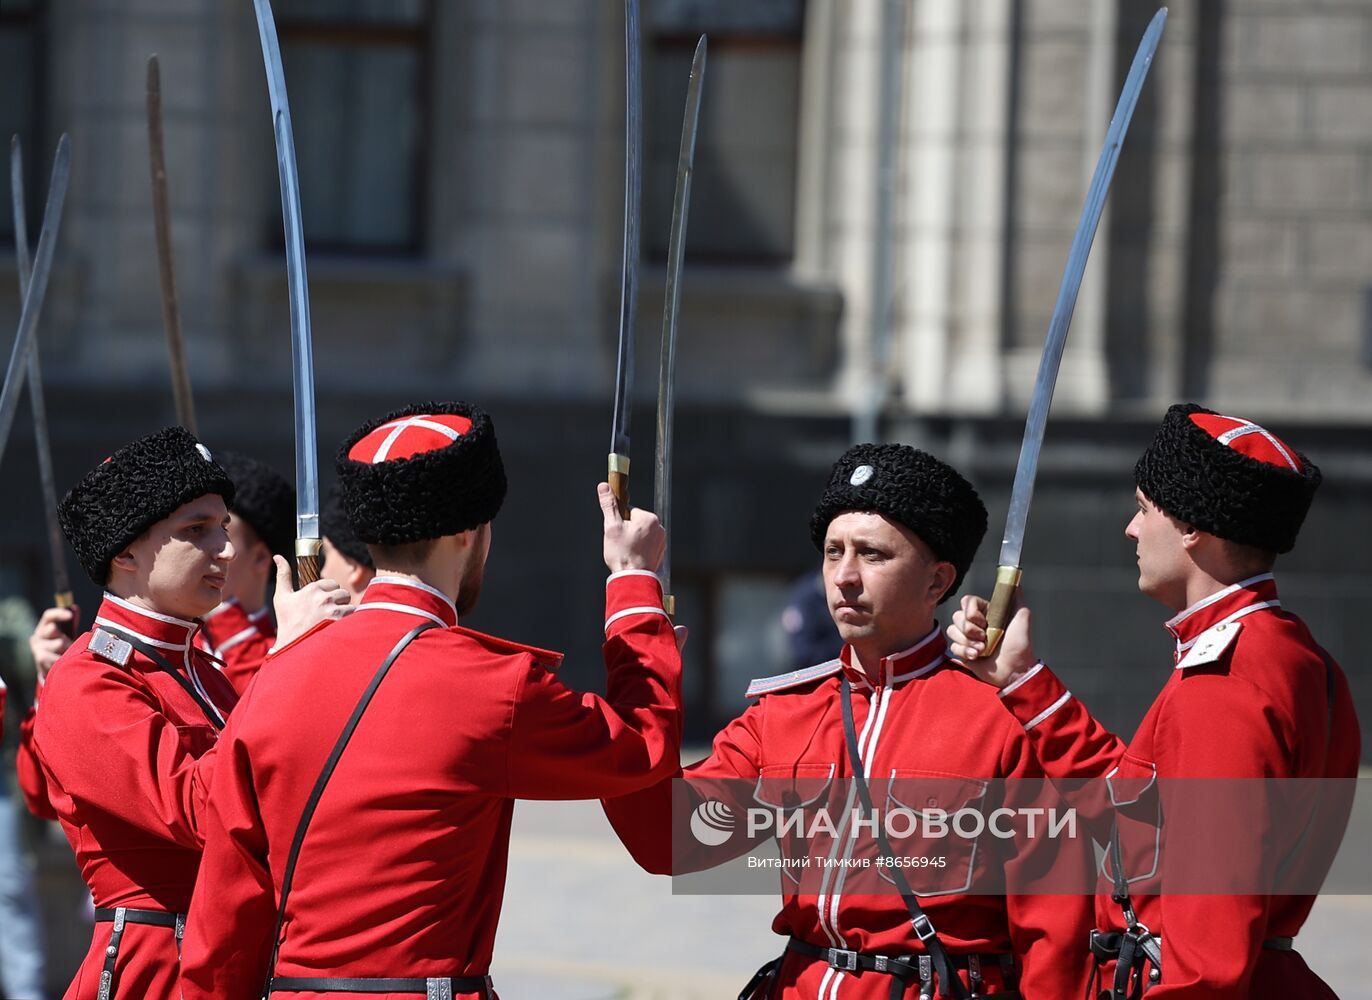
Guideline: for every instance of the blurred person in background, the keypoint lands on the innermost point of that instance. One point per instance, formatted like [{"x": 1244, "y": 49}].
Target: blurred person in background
[
  {"x": 241, "y": 630},
  {"x": 21, "y": 923},
  {"x": 346, "y": 559}
]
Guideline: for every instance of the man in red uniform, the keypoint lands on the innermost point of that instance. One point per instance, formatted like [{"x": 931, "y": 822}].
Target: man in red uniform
[
  {"x": 896, "y": 529},
  {"x": 131, "y": 710},
  {"x": 240, "y": 631},
  {"x": 396, "y": 887},
  {"x": 1251, "y": 696}
]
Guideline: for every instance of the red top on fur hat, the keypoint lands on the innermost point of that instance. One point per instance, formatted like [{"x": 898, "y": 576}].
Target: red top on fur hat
[
  {"x": 1248, "y": 438},
  {"x": 410, "y": 436}
]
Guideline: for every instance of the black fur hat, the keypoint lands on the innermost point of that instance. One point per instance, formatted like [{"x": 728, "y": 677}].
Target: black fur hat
[
  {"x": 133, "y": 489},
  {"x": 263, "y": 498},
  {"x": 338, "y": 530},
  {"x": 425, "y": 471},
  {"x": 1228, "y": 476},
  {"x": 910, "y": 486}
]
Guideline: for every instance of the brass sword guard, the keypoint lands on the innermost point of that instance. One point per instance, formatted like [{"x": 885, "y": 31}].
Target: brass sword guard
[
  {"x": 1002, "y": 608},
  {"x": 619, "y": 482}
]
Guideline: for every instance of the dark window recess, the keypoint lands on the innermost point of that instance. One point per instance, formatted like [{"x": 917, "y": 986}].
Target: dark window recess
[
  {"x": 21, "y": 74},
  {"x": 743, "y": 191},
  {"x": 358, "y": 76}
]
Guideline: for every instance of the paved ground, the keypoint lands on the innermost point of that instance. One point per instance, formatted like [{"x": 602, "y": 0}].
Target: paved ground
[{"x": 583, "y": 922}]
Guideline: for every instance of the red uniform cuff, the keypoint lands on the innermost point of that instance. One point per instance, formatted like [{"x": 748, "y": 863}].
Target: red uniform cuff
[
  {"x": 1035, "y": 696},
  {"x": 629, "y": 597}
]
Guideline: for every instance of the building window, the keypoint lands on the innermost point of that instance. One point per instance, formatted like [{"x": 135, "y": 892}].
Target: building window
[
  {"x": 743, "y": 191},
  {"x": 21, "y": 70},
  {"x": 357, "y": 74}
]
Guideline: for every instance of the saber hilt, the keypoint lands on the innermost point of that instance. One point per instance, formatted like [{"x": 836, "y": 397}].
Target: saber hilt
[
  {"x": 65, "y": 599},
  {"x": 619, "y": 482},
  {"x": 1002, "y": 608},
  {"x": 307, "y": 559}
]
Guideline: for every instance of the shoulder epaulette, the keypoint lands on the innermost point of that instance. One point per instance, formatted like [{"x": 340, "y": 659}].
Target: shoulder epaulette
[
  {"x": 780, "y": 682},
  {"x": 110, "y": 647},
  {"x": 546, "y": 657},
  {"x": 1210, "y": 645}
]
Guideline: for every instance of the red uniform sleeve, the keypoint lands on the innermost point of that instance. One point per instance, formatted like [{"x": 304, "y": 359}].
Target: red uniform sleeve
[
  {"x": 33, "y": 784},
  {"x": 233, "y": 911},
  {"x": 564, "y": 744},
  {"x": 1050, "y": 932},
  {"x": 1068, "y": 741},
  {"x": 1214, "y": 727},
  {"x": 643, "y": 820},
  {"x": 240, "y": 641},
  {"x": 105, "y": 743}
]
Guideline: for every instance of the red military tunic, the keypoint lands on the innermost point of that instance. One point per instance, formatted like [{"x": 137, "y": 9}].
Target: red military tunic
[
  {"x": 1247, "y": 700},
  {"x": 123, "y": 749},
  {"x": 33, "y": 785},
  {"x": 403, "y": 869},
  {"x": 239, "y": 638},
  {"x": 926, "y": 718}
]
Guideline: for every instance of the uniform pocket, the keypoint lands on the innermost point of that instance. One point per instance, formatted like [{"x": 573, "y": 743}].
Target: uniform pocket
[
  {"x": 1133, "y": 787},
  {"x": 934, "y": 821},
  {"x": 795, "y": 794}
]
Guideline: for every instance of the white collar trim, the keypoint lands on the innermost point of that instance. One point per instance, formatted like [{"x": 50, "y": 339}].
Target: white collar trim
[
  {"x": 404, "y": 581},
  {"x": 183, "y": 622},
  {"x": 1219, "y": 595}
]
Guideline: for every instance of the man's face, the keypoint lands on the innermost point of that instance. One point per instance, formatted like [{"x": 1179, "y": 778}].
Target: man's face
[
  {"x": 180, "y": 564},
  {"x": 1163, "y": 560},
  {"x": 469, "y": 590},
  {"x": 251, "y": 566},
  {"x": 351, "y": 576},
  {"x": 882, "y": 581}
]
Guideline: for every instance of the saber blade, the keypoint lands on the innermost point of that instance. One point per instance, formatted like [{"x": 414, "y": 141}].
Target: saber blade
[
  {"x": 38, "y": 286},
  {"x": 161, "y": 215},
  {"x": 307, "y": 543},
  {"x": 1022, "y": 493},
  {"x": 628, "y": 298},
  {"x": 61, "y": 583},
  {"x": 666, "y": 375}
]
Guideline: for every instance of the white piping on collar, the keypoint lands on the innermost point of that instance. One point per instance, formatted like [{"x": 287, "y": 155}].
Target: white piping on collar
[
  {"x": 1242, "y": 612},
  {"x": 1219, "y": 595},
  {"x": 259, "y": 614},
  {"x": 183, "y": 622},
  {"x": 404, "y": 609},
  {"x": 921, "y": 671},
  {"x": 160, "y": 644},
  {"x": 405, "y": 581}
]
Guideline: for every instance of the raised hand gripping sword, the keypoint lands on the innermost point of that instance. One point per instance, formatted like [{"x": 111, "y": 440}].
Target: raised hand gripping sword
[
  {"x": 628, "y": 296},
  {"x": 307, "y": 540},
  {"x": 1008, "y": 572},
  {"x": 61, "y": 583},
  {"x": 671, "y": 311}
]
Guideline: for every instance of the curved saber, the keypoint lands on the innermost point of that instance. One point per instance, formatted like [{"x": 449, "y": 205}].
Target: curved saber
[
  {"x": 161, "y": 217},
  {"x": 1008, "y": 571},
  {"x": 666, "y": 376},
  {"x": 628, "y": 296},
  {"x": 307, "y": 541},
  {"x": 38, "y": 286},
  {"x": 61, "y": 583}
]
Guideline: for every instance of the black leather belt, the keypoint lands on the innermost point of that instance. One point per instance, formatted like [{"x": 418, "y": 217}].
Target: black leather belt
[
  {"x": 907, "y": 969},
  {"x": 433, "y": 988},
  {"x": 121, "y": 916},
  {"x": 1280, "y": 944}
]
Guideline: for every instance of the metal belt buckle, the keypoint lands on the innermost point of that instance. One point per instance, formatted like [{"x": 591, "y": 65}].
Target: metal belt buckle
[
  {"x": 438, "y": 989},
  {"x": 924, "y": 930},
  {"x": 843, "y": 960}
]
